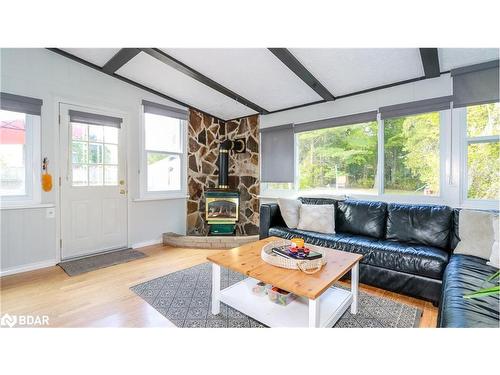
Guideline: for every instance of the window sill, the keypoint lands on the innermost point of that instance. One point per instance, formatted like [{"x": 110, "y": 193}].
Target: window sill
[
  {"x": 148, "y": 199},
  {"x": 26, "y": 206}
]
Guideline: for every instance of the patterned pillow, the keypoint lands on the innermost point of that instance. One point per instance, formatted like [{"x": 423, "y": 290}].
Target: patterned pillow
[{"x": 317, "y": 218}]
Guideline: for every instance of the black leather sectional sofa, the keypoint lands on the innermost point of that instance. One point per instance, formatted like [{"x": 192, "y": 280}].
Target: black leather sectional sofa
[{"x": 407, "y": 249}]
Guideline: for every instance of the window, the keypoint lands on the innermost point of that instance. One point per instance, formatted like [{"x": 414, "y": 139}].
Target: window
[
  {"x": 94, "y": 155},
  {"x": 411, "y": 154},
  {"x": 483, "y": 151},
  {"x": 342, "y": 158},
  {"x": 19, "y": 156},
  {"x": 163, "y": 154}
]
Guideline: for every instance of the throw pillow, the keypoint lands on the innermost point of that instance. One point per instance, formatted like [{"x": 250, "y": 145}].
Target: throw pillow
[
  {"x": 317, "y": 218},
  {"x": 475, "y": 229},
  {"x": 495, "y": 251},
  {"x": 290, "y": 211}
]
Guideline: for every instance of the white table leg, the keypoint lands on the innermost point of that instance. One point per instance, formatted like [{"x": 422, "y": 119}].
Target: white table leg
[
  {"x": 354, "y": 288},
  {"x": 314, "y": 313},
  {"x": 215, "y": 289}
]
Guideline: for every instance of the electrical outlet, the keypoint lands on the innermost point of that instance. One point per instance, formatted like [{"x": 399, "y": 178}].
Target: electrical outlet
[{"x": 50, "y": 213}]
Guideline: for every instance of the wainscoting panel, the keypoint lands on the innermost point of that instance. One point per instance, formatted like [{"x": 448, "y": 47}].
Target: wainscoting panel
[{"x": 28, "y": 238}]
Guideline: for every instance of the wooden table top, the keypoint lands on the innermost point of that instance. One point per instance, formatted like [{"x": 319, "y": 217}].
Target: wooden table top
[{"x": 247, "y": 261}]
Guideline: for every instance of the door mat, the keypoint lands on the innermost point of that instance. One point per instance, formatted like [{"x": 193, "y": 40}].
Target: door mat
[{"x": 94, "y": 262}]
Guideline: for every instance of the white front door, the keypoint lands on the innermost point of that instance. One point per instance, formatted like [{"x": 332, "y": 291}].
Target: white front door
[{"x": 93, "y": 183}]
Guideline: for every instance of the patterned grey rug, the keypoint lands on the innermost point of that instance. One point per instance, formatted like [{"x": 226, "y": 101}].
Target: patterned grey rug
[
  {"x": 94, "y": 262},
  {"x": 184, "y": 297}
]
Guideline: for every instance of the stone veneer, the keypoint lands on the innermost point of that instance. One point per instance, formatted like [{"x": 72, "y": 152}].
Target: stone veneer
[{"x": 204, "y": 135}]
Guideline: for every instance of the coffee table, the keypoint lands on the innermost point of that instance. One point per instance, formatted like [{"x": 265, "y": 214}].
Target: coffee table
[{"x": 319, "y": 303}]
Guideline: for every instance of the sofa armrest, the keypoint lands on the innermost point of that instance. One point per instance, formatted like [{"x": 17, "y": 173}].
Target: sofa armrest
[{"x": 270, "y": 216}]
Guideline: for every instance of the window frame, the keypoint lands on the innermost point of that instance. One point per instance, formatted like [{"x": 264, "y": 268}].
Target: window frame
[
  {"x": 33, "y": 166},
  {"x": 445, "y": 120},
  {"x": 144, "y": 193},
  {"x": 466, "y": 202}
]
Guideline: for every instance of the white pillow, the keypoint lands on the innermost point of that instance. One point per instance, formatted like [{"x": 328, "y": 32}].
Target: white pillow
[
  {"x": 290, "y": 211},
  {"x": 475, "y": 230},
  {"x": 317, "y": 218},
  {"x": 495, "y": 252}
]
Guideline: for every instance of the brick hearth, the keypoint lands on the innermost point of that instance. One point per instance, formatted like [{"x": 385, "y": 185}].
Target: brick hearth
[{"x": 206, "y": 242}]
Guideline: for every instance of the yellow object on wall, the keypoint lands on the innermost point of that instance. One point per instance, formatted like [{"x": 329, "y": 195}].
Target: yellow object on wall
[{"x": 46, "y": 177}]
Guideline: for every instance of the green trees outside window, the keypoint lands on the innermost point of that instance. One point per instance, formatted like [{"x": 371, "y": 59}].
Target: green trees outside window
[
  {"x": 483, "y": 151},
  {"x": 339, "y": 158},
  {"x": 411, "y": 154}
]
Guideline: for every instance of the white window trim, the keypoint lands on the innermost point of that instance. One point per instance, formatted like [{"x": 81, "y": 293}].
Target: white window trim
[
  {"x": 144, "y": 194},
  {"x": 33, "y": 166},
  {"x": 460, "y": 114}
]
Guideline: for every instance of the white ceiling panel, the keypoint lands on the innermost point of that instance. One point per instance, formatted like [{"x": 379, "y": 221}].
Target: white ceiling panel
[
  {"x": 346, "y": 70},
  {"x": 153, "y": 73},
  {"x": 97, "y": 56},
  {"x": 254, "y": 73},
  {"x": 451, "y": 58}
]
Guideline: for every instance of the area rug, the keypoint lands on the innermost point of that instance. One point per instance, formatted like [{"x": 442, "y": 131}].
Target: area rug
[
  {"x": 91, "y": 263},
  {"x": 184, "y": 297}
]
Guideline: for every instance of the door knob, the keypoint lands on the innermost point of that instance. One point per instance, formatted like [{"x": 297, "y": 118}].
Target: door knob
[
  {"x": 123, "y": 191},
  {"x": 122, "y": 182}
]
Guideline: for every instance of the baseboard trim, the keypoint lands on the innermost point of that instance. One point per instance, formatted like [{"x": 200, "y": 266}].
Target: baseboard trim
[
  {"x": 28, "y": 267},
  {"x": 147, "y": 243}
]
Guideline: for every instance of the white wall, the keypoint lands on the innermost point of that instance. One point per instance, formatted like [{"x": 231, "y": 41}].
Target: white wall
[{"x": 53, "y": 78}]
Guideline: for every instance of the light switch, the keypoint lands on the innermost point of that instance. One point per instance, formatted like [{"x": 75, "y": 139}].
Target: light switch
[{"x": 50, "y": 213}]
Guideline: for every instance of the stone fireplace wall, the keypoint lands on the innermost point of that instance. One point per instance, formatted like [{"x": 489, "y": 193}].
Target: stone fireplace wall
[{"x": 204, "y": 135}]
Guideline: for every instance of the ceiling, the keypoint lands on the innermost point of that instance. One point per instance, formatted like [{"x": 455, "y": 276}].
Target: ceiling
[{"x": 236, "y": 82}]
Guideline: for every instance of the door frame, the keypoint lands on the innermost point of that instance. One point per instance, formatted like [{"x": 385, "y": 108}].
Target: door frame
[{"x": 99, "y": 109}]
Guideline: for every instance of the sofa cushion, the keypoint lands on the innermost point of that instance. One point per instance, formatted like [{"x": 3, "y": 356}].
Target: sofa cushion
[
  {"x": 419, "y": 224},
  {"x": 362, "y": 217},
  {"x": 465, "y": 274},
  {"x": 414, "y": 259}
]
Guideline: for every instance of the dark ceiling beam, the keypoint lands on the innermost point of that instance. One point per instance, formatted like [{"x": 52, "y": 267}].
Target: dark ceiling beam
[
  {"x": 430, "y": 62},
  {"x": 122, "y": 57},
  {"x": 301, "y": 71},
  {"x": 190, "y": 72},
  {"x": 129, "y": 81}
]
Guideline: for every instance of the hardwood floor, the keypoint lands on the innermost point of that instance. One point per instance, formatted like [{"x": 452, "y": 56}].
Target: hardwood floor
[{"x": 102, "y": 298}]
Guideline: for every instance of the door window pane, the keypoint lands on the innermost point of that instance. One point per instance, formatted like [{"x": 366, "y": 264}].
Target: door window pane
[
  {"x": 110, "y": 154},
  {"x": 80, "y": 175},
  {"x": 79, "y": 132},
  {"x": 110, "y": 175},
  {"x": 483, "y": 177},
  {"x": 341, "y": 158},
  {"x": 96, "y": 133},
  {"x": 162, "y": 133},
  {"x": 95, "y": 153},
  {"x": 483, "y": 120},
  {"x": 110, "y": 134},
  {"x": 79, "y": 152},
  {"x": 164, "y": 172},
  {"x": 95, "y": 175},
  {"x": 12, "y": 153},
  {"x": 411, "y": 155}
]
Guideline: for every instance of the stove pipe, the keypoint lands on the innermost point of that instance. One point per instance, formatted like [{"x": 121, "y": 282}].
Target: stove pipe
[{"x": 224, "y": 149}]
